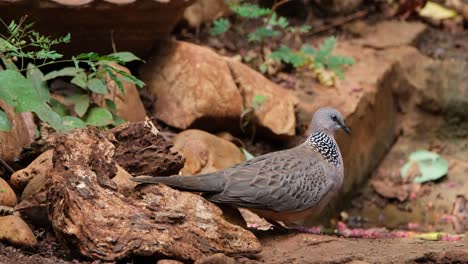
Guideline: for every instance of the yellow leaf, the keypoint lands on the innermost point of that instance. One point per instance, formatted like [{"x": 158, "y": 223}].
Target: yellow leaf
[{"x": 436, "y": 11}]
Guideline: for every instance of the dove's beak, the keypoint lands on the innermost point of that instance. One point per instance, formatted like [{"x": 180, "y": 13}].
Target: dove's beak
[{"x": 345, "y": 128}]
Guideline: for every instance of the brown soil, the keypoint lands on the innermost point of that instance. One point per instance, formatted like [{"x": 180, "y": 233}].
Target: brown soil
[{"x": 306, "y": 248}]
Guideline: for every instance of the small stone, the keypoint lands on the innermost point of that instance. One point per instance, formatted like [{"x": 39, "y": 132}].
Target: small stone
[
  {"x": 7, "y": 195},
  {"x": 218, "y": 258},
  {"x": 40, "y": 166},
  {"x": 205, "y": 153},
  {"x": 16, "y": 232}
]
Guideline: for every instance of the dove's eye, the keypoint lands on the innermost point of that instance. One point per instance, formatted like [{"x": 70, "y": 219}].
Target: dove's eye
[{"x": 334, "y": 118}]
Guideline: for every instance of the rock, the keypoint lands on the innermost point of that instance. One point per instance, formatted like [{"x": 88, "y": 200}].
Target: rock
[
  {"x": 276, "y": 113},
  {"x": 16, "y": 232},
  {"x": 33, "y": 203},
  {"x": 91, "y": 216},
  {"x": 218, "y": 258},
  {"x": 390, "y": 190},
  {"x": 125, "y": 186},
  {"x": 40, "y": 166},
  {"x": 132, "y": 25},
  {"x": 168, "y": 261},
  {"x": 7, "y": 195},
  {"x": 204, "y": 152},
  {"x": 436, "y": 86},
  {"x": 338, "y": 6},
  {"x": 365, "y": 99},
  {"x": 205, "y": 11},
  {"x": 391, "y": 34},
  {"x": 28, "y": 119},
  {"x": 129, "y": 105},
  {"x": 13, "y": 141},
  {"x": 141, "y": 150},
  {"x": 181, "y": 71},
  {"x": 191, "y": 83}
]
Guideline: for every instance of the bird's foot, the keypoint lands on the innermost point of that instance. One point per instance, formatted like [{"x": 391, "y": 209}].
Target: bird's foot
[{"x": 303, "y": 229}]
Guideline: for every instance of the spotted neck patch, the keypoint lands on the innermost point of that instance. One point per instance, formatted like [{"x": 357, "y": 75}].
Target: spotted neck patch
[{"x": 326, "y": 146}]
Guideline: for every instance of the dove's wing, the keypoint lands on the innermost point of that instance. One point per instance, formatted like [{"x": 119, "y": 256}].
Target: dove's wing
[{"x": 290, "y": 180}]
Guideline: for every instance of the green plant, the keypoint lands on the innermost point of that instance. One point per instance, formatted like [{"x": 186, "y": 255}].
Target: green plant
[
  {"x": 272, "y": 24},
  {"x": 249, "y": 113},
  {"x": 325, "y": 65},
  {"x": 220, "y": 26},
  {"x": 29, "y": 92},
  {"x": 315, "y": 59}
]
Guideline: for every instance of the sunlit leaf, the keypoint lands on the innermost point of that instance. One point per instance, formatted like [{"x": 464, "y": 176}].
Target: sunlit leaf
[
  {"x": 81, "y": 103},
  {"x": 70, "y": 122},
  {"x": 67, "y": 71},
  {"x": 37, "y": 78},
  {"x": 80, "y": 80},
  {"x": 431, "y": 166},
  {"x": 97, "y": 85},
  {"x": 111, "y": 105},
  {"x": 98, "y": 116},
  {"x": 58, "y": 107},
  {"x": 125, "y": 56}
]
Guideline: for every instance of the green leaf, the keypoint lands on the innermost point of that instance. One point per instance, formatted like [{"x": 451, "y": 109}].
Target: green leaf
[
  {"x": 98, "y": 116},
  {"x": 248, "y": 10},
  {"x": 263, "y": 68},
  {"x": 308, "y": 50},
  {"x": 431, "y": 165},
  {"x": 278, "y": 21},
  {"x": 67, "y": 71},
  {"x": 129, "y": 78},
  {"x": 325, "y": 50},
  {"x": 125, "y": 56},
  {"x": 36, "y": 77},
  {"x": 258, "y": 100},
  {"x": 58, "y": 107},
  {"x": 9, "y": 64},
  {"x": 286, "y": 55},
  {"x": 97, "y": 85},
  {"x": 247, "y": 154},
  {"x": 71, "y": 122},
  {"x": 5, "y": 124},
  {"x": 304, "y": 29},
  {"x": 220, "y": 26},
  {"x": 81, "y": 103},
  {"x": 118, "y": 120},
  {"x": 111, "y": 105},
  {"x": 80, "y": 80},
  {"x": 46, "y": 114},
  {"x": 261, "y": 33},
  {"x": 18, "y": 92},
  {"x": 114, "y": 77}
]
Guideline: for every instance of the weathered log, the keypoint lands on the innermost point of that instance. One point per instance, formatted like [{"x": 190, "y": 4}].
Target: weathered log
[
  {"x": 88, "y": 213},
  {"x": 141, "y": 150}
]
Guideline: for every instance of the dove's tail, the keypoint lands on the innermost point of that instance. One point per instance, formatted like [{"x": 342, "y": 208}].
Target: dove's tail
[{"x": 201, "y": 183}]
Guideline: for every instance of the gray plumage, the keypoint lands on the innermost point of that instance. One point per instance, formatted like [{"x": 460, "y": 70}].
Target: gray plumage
[{"x": 294, "y": 180}]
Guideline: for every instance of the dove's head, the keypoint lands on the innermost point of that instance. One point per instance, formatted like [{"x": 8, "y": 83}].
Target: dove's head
[{"x": 328, "y": 120}]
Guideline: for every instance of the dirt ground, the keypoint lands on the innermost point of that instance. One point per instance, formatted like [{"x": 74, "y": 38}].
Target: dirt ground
[{"x": 307, "y": 248}]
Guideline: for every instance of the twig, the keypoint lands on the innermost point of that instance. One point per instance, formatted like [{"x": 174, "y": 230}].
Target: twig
[
  {"x": 340, "y": 22},
  {"x": 6, "y": 166},
  {"x": 278, "y": 4}
]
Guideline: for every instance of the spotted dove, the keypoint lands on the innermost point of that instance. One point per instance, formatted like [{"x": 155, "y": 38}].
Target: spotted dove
[{"x": 289, "y": 186}]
